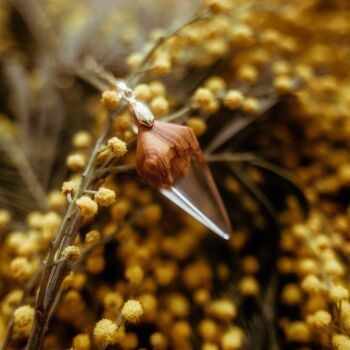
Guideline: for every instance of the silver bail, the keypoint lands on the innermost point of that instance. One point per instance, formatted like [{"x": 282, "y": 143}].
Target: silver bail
[{"x": 142, "y": 113}]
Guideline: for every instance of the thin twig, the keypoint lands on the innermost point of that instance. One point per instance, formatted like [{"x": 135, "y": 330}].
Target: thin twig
[
  {"x": 231, "y": 157},
  {"x": 178, "y": 115},
  {"x": 116, "y": 169},
  {"x": 25, "y": 170},
  {"x": 161, "y": 41},
  {"x": 54, "y": 273}
]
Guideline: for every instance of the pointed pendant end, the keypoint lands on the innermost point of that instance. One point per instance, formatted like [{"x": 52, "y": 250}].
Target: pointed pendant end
[
  {"x": 185, "y": 204},
  {"x": 222, "y": 233}
]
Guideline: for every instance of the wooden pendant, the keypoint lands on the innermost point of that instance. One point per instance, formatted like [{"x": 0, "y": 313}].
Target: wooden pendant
[{"x": 170, "y": 159}]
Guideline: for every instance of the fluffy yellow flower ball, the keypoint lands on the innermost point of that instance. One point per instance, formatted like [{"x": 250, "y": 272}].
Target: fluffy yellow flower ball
[{"x": 132, "y": 311}]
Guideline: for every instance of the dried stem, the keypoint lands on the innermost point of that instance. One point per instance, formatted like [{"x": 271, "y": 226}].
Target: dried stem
[
  {"x": 178, "y": 115},
  {"x": 54, "y": 274},
  {"x": 231, "y": 157},
  {"x": 117, "y": 169},
  {"x": 8, "y": 334},
  {"x": 25, "y": 170},
  {"x": 37, "y": 23},
  {"x": 198, "y": 17}
]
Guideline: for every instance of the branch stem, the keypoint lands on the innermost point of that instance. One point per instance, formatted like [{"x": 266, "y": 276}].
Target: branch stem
[{"x": 55, "y": 271}]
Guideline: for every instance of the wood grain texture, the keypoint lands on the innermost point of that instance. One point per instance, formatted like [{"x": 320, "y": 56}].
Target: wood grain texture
[{"x": 164, "y": 152}]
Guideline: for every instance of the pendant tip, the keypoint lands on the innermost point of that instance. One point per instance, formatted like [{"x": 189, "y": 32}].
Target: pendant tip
[
  {"x": 226, "y": 237},
  {"x": 223, "y": 235}
]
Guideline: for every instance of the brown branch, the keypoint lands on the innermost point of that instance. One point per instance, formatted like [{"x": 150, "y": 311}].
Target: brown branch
[
  {"x": 54, "y": 274},
  {"x": 162, "y": 40}
]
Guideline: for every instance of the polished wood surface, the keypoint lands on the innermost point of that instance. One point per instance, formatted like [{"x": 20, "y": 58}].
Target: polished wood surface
[{"x": 165, "y": 152}]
